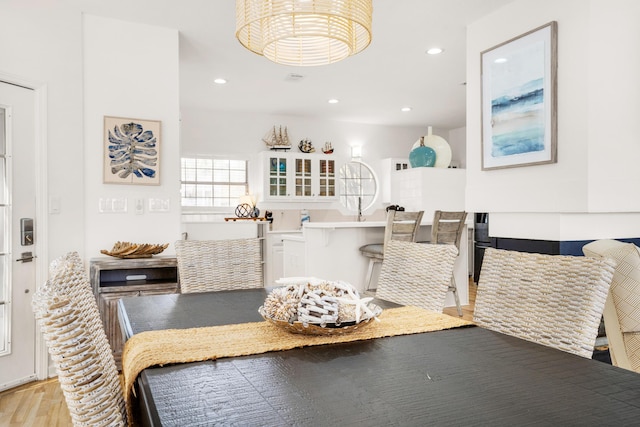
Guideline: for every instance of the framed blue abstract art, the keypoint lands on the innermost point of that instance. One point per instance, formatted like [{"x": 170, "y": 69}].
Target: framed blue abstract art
[
  {"x": 519, "y": 100},
  {"x": 131, "y": 151}
]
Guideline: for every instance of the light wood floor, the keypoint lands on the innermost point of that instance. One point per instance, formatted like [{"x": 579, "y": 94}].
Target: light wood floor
[
  {"x": 467, "y": 310},
  {"x": 37, "y": 404},
  {"x": 41, "y": 403}
]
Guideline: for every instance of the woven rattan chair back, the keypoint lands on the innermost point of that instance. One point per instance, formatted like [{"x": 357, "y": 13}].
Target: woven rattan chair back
[
  {"x": 402, "y": 226},
  {"x": 553, "y": 300},
  {"x": 68, "y": 316},
  {"x": 416, "y": 274},
  {"x": 622, "y": 308},
  {"x": 447, "y": 227},
  {"x": 219, "y": 265}
]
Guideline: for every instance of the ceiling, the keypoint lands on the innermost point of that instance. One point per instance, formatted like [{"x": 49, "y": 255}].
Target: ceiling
[{"x": 393, "y": 72}]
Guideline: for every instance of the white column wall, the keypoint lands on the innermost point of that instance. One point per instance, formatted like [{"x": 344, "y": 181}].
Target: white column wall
[
  {"x": 130, "y": 70},
  {"x": 598, "y": 110}
]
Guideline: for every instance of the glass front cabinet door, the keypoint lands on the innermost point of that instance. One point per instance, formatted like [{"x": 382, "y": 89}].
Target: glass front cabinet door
[
  {"x": 300, "y": 176},
  {"x": 303, "y": 178},
  {"x": 277, "y": 179},
  {"x": 327, "y": 178}
]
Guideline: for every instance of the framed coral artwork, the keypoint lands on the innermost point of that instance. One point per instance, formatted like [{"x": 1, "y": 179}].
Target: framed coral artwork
[
  {"x": 519, "y": 87},
  {"x": 131, "y": 151}
]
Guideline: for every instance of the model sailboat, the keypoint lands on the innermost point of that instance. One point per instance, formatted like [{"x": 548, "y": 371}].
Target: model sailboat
[{"x": 277, "y": 139}]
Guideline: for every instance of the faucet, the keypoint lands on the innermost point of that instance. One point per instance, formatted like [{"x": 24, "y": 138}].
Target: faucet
[{"x": 359, "y": 209}]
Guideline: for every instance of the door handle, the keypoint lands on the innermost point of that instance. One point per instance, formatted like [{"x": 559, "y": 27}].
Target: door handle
[{"x": 26, "y": 257}]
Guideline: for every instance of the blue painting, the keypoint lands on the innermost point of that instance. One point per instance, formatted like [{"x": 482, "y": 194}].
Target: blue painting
[
  {"x": 517, "y": 120},
  {"x": 132, "y": 151},
  {"x": 518, "y": 91}
]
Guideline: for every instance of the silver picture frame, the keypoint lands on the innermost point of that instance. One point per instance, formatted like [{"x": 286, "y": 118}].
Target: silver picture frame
[{"x": 519, "y": 100}]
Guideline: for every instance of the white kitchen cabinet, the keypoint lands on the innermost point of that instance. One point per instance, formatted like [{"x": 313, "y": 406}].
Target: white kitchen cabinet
[
  {"x": 277, "y": 179},
  {"x": 294, "y": 256},
  {"x": 299, "y": 176},
  {"x": 274, "y": 250},
  {"x": 277, "y": 271}
]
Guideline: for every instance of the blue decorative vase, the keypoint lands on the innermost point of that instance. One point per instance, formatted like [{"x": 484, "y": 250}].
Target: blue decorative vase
[{"x": 422, "y": 156}]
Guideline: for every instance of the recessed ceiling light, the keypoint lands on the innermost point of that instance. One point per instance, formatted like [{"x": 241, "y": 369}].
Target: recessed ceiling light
[
  {"x": 405, "y": 109},
  {"x": 220, "y": 81},
  {"x": 434, "y": 51},
  {"x": 333, "y": 101},
  {"x": 500, "y": 60}
]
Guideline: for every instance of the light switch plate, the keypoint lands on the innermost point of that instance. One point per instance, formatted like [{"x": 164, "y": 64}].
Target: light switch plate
[
  {"x": 112, "y": 205},
  {"x": 159, "y": 205},
  {"x": 54, "y": 205}
]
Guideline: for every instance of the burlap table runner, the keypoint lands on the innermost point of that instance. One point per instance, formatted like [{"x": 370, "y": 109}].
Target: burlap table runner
[{"x": 164, "y": 347}]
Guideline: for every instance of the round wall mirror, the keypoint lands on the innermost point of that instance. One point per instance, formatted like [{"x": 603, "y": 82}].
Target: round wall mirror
[{"x": 358, "y": 186}]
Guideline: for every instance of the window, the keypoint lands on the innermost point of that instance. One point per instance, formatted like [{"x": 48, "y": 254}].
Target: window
[
  {"x": 358, "y": 186},
  {"x": 213, "y": 183}
]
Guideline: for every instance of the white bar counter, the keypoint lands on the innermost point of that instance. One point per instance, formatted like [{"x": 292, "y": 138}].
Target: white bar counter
[{"x": 330, "y": 250}]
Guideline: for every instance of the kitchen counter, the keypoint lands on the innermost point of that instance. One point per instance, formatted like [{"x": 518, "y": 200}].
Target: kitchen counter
[
  {"x": 297, "y": 237},
  {"x": 331, "y": 250},
  {"x": 345, "y": 224}
]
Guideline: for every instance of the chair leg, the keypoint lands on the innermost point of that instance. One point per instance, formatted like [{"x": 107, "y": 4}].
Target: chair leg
[
  {"x": 369, "y": 273},
  {"x": 453, "y": 288}
]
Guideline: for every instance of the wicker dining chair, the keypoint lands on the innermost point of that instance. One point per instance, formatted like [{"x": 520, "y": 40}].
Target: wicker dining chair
[
  {"x": 553, "y": 300},
  {"x": 68, "y": 316},
  {"x": 447, "y": 228},
  {"x": 219, "y": 265},
  {"x": 401, "y": 226},
  {"x": 622, "y": 308},
  {"x": 417, "y": 274}
]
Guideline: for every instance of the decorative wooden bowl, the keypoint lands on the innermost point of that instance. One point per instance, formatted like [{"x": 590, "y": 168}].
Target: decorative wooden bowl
[{"x": 134, "y": 250}]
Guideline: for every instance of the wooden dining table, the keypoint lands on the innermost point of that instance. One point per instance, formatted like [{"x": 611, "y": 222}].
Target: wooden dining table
[{"x": 464, "y": 376}]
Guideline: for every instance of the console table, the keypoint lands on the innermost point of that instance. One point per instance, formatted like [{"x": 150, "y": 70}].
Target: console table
[{"x": 114, "y": 278}]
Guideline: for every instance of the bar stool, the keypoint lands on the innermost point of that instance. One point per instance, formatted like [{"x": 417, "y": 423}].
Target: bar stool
[
  {"x": 401, "y": 225},
  {"x": 447, "y": 228}
]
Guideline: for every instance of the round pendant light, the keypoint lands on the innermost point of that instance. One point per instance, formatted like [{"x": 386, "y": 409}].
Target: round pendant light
[{"x": 304, "y": 32}]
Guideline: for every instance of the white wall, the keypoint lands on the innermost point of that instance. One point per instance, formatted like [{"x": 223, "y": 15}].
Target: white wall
[
  {"x": 614, "y": 106},
  {"x": 130, "y": 70},
  {"x": 43, "y": 45},
  {"x": 598, "y": 110},
  {"x": 458, "y": 141}
]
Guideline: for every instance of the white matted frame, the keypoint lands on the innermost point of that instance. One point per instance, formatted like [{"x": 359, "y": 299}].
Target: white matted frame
[
  {"x": 131, "y": 151},
  {"x": 519, "y": 100}
]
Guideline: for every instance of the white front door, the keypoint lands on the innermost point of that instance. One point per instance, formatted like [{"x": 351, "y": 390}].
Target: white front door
[{"x": 17, "y": 208}]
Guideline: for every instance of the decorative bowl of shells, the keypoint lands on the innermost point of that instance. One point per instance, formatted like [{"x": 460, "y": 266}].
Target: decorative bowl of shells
[
  {"x": 134, "y": 250},
  {"x": 317, "y": 307}
]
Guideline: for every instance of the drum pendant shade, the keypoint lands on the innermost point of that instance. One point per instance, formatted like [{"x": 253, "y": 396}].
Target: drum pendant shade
[{"x": 304, "y": 32}]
